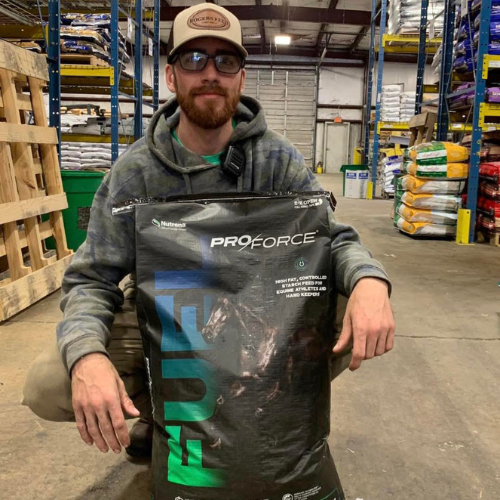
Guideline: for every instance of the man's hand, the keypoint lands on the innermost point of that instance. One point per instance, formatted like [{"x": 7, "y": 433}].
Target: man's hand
[
  {"x": 99, "y": 401},
  {"x": 368, "y": 321}
]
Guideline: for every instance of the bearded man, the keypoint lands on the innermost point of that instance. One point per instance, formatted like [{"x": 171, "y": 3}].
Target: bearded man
[{"x": 210, "y": 138}]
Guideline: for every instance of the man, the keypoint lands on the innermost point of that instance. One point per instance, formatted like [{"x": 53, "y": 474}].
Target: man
[{"x": 98, "y": 366}]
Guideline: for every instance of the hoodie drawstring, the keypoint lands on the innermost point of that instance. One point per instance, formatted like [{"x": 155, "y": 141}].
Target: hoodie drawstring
[{"x": 187, "y": 180}]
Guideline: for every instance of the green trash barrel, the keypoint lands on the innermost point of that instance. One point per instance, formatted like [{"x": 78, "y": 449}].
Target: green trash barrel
[
  {"x": 80, "y": 188},
  {"x": 355, "y": 180}
]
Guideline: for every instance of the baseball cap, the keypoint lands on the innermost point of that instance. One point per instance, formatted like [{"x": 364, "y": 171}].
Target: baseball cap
[{"x": 205, "y": 20}]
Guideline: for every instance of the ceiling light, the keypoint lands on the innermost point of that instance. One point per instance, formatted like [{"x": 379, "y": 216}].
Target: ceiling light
[{"x": 282, "y": 39}]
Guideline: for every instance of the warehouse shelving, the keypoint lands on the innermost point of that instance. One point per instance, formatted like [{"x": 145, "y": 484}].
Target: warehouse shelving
[
  {"x": 481, "y": 110},
  {"x": 402, "y": 44},
  {"x": 112, "y": 80}
]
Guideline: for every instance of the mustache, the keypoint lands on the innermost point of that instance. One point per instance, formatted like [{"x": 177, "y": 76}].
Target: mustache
[{"x": 209, "y": 89}]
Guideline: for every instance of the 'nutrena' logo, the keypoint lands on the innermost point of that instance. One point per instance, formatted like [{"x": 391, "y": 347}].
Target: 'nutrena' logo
[{"x": 208, "y": 19}]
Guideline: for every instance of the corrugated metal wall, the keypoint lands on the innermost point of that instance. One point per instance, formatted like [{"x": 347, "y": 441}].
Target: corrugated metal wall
[{"x": 289, "y": 101}]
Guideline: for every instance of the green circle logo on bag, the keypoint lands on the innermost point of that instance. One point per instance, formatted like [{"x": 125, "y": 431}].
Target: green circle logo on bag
[{"x": 301, "y": 264}]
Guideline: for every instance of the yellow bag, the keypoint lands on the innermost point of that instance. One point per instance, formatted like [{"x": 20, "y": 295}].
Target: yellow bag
[
  {"x": 430, "y": 216},
  {"x": 450, "y": 170},
  {"x": 432, "y": 153},
  {"x": 424, "y": 228},
  {"x": 441, "y": 186},
  {"x": 427, "y": 201}
]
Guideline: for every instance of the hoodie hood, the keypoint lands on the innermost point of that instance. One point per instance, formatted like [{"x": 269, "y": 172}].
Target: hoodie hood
[{"x": 250, "y": 123}]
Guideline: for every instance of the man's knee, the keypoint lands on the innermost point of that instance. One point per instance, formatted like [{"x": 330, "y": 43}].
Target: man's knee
[{"x": 47, "y": 389}]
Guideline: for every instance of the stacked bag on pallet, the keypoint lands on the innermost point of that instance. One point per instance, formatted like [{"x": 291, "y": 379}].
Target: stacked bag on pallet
[
  {"x": 407, "y": 106},
  {"x": 436, "y": 61},
  {"x": 429, "y": 195},
  {"x": 404, "y": 16},
  {"x": 87, "y": 155},
  {"x": 391, "y": 165},
  {"x": 488, "y": 205},
  {"x": 90, "y": 34},
  {"x": 390, "y": 102}
]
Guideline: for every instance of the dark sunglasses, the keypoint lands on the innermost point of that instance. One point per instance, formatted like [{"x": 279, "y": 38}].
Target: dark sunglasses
[{"x": 193, "y": 60}]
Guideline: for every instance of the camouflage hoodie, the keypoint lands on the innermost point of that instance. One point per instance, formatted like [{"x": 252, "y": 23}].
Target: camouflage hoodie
[{"x": 158, "y": 166}]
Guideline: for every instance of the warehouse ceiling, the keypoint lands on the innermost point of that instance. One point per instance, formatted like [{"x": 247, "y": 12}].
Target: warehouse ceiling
[{"x": 342, "y": 26}]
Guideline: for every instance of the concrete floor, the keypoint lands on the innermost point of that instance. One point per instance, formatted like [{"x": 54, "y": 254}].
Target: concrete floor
[{"x": 419, "y": 423}]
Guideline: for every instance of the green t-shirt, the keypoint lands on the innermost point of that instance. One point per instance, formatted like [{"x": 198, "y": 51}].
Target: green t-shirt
[{"x": 212, "y": 159}]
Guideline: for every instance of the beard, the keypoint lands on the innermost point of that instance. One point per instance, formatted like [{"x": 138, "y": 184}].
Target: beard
[{"x": 210, "y": 115}]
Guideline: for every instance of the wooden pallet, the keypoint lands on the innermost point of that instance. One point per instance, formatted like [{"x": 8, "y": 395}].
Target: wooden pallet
[
  {"x": 30, "y": 186},
  {"x": 422, "y": 128},
  {"x": 83, "y": 59},
  {"x": 484, "y": 236}
]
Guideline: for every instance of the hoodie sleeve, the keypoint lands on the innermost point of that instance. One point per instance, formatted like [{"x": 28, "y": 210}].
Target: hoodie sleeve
[
  {"x": 350, "y": 259},
  {"x": 90, "y": 285}
]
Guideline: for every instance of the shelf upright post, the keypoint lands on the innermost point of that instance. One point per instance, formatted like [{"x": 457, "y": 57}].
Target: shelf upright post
[
  {"x": 138, "y": 71},
  {"x": 479, "y": 97},
  {"x": 422, "y": 55},
  {"x": 369, "y": 87},
  {"x": 114, "y": 80},
  {"x": 380, "y": 76},
  {"x": 156, "y": 55},
  {"x": 54, "y": 58},
  {"x": 445, "y": 75}
]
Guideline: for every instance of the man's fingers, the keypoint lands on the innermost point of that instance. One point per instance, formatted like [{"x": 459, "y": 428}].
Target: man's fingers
[
  {"x": 390, "y": 338},
  {"x": 381, "y": 343},
  {"x": 371, "y": 344},
  {"x": 81, "y": 425},
  {"x": 126, "y": 403},
  {"x": 344, "y": 338},
  {"x": 358, "y": 350},
  {"x": 95, "y": 431},
  {"x": 108, "y": 431},
  {"x": 118, "y": 422}
]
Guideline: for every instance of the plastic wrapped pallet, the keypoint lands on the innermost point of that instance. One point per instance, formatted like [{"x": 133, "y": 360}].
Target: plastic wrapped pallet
[
  {"x": 440, "y": 202},
  {"x": 424, "y": 229},
  {"x": 404, "y": 16},
  {"x": 441, "y": 186},
  {"x": 429, "y": 216},
  {"x": 391, "y": 166}
]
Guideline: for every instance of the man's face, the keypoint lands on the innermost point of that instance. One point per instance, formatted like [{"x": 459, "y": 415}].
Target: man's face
[{"x": 207, "y": 97}]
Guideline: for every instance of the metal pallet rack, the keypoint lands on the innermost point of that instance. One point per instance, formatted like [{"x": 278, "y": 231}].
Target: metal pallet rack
[
  {"x": 402, "y": 44},
  {"x": 97, "y": 80},
  {"x": 481, "y": 110}
]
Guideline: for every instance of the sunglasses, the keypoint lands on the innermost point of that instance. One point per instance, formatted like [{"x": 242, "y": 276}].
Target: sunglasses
[{"x": 194, "y": 60}]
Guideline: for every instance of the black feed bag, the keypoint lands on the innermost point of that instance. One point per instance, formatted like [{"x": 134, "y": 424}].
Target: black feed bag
[{"x": 234, "y": 301}]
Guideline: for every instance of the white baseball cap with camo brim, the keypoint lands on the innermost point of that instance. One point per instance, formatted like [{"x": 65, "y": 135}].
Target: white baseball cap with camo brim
[{"x": 205, "y": 20}]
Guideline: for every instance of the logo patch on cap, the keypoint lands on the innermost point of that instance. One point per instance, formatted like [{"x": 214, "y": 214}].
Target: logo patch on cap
[{"x": 208, "y": 19}]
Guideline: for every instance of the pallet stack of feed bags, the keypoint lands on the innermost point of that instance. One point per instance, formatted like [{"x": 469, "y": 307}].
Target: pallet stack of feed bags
[
  {"x": 428, "y": 197},
  {"x": 404, "y": 16}
]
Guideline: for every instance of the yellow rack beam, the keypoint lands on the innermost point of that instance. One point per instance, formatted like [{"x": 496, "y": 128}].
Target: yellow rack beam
[
  {"x": 453, "y": 127},
  {"x": 408, "y": 44},
  {"x": 392, "y": 126},
  {"x": 101, "y": 139},
  {"x": 490, "y": 62}
]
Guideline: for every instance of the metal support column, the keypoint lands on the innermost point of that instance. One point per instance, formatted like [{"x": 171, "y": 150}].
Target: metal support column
[
  {"x": 54, "y": 58},
  {"x": 422, "y": 55},
  {"x": 369, "y": 95},
  {"x": 380, "y": 76},
  {"x": 156, "y": 55},
  {"x": 138, "y": 71},
  {"x": 482, "y": 49},
  {"x": 445, "y": 75},
  {"x": 114, "y": 80}
]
